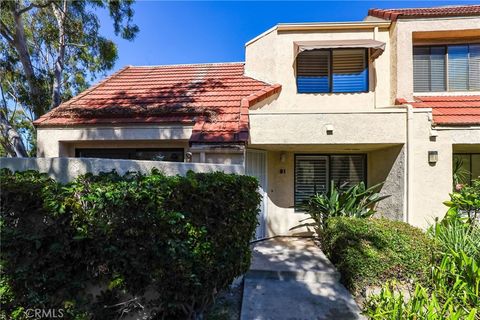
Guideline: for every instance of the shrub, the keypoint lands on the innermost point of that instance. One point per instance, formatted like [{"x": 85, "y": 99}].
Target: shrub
[
  {"x": 466, "y": 202},
  {"x": 167, "y": 244},
  {"x": 452, "y": 291},
  {"x": 367, "y": 252},
  {"x": 355, "y": 201}
]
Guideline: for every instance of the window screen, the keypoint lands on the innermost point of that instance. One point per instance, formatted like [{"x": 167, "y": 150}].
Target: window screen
[
  {"x": 342, "y": 70},
  {"x": 313, "y": 71},
  {"x": 313, "y": 173},
  {"x": 349, "y": 71}
]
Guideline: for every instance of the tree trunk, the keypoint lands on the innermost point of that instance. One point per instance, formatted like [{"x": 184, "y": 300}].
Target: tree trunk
[
  {"x": 12, "y": 141},
  {"x": 59, "y": 62},
  {"x": 20, "y": 44}
]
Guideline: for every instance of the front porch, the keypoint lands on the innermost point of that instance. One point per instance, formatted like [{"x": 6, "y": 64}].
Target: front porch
[{"x": 291, "y": 173}]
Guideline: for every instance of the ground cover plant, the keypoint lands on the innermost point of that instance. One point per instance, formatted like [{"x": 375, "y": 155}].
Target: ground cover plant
[
  {"x": 108, "y": 246},
  {"x": 452, "y": 290}
]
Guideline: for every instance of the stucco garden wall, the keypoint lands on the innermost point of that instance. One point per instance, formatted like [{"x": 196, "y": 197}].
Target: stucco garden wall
[{"x": 66, "y": 169}]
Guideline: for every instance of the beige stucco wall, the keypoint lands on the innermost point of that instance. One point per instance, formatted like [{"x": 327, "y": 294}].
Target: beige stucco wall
[
  {"x": 62, "y": 142},
  {"x": 58, "y": 142},
  {"x": 402, "y": 40},
  {"x": 418, "y": 188},
  {"x": 311, "y": 128},
  {"x": 271, "y": 59}
]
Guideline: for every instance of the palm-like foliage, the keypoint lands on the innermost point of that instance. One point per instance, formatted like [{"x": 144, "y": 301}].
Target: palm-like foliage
[{"x": 356, "y": 201}]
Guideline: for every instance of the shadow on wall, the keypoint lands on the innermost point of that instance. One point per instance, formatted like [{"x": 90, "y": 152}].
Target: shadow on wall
[{"x": 67, "y": 169}]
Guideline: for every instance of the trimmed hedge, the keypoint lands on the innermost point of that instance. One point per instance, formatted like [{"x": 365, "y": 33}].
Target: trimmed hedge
[
  {"x": 367, "y": 252},
  {"x": 166, "y": 244}
]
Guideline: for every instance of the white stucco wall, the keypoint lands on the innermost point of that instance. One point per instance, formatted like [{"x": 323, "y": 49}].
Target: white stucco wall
[{"x": 66, "y": 169}]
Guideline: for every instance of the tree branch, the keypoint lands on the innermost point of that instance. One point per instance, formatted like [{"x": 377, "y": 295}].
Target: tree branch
[
  {"x": 34, "y": 5},
  {"x": 4, "y": 31}
]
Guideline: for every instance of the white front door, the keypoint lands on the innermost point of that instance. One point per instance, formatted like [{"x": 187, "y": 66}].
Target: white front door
[{"x": 256, "y": 166}]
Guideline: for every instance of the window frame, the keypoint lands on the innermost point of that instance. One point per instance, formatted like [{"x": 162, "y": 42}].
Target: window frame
[
  {"x": 328, "y": 156},
  {"x": 132, "y": 151},
  {"x": 470, "y": 155},
  {"x": 446, "y": 75},
  {"x": 330, "y": 71}
]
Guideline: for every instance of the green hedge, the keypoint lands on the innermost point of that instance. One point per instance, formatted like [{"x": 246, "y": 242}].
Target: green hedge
[
  {"x": 369, "y": 251},
  {"x": 164, "y": 243}
]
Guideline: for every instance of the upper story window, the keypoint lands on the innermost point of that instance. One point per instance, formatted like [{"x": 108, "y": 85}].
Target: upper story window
[
  {"x": 332, "y": 70},
  {"x": 446, "y": 68}
]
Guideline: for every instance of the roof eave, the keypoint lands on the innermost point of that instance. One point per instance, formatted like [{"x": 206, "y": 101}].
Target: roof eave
[{"x": 333, "y": 25}]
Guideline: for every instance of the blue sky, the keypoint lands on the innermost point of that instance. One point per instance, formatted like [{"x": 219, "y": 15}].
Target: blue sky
[{"x": 196, "y": 32}]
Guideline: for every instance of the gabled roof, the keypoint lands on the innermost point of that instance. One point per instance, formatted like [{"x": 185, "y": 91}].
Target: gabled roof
[
  {"x": 448, "y": 110},
  {"x": 214, "y": 98},
  {"x": 434, "y": 12}
]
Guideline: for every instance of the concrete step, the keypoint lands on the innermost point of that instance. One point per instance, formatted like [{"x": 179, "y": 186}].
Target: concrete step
[
  {"x": 267, "y": 299},
  {"x": 298, "y": 275}
]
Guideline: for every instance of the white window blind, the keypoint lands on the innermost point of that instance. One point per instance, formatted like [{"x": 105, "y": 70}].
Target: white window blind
[
  {"x": 421, "y": 69},
  {"x": 432, "y": 72},
  {"x": 347, "y": 170},
  {"x": 313, "y": 174},
  {"x": 474, "y": 67},
  {"x": 429, "y": 69},
  {"x": 437, "y": 69},
  {"x": 458, "y": 68},
  {"x": 311, "y": 177}
]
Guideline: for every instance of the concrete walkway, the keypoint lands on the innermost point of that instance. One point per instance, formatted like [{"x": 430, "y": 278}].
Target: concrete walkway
[{"x": 291, "y": 279}]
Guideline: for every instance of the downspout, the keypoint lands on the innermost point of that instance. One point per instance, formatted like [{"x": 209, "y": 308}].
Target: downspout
[{"x": 409, "y": 165}]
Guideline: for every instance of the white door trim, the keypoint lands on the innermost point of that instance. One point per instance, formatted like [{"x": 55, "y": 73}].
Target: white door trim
[{"x": 262, "y": 229}]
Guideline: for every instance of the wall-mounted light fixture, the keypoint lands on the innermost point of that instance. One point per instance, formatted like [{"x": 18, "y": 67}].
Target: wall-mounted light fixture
[
  {"x": 329, "y": 129},
  {"x": 188, "y": 156},
  {"x": 283, "y": 157},
  {"x": 432, "y": 157}
]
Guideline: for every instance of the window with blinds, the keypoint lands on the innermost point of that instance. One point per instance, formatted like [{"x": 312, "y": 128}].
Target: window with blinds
[
  {"x": 313, "y": 174},
  {"x": 446, "y": 68},
  {"x": 156, "y": 154},
  {"x": 323, "y": 71}
]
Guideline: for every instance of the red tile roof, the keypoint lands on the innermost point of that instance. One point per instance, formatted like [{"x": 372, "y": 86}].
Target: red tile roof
[
  {"x": 214, "y": 98},
  {"x": 449, "y": 110},
  {"x": 447, "y": 11}
]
